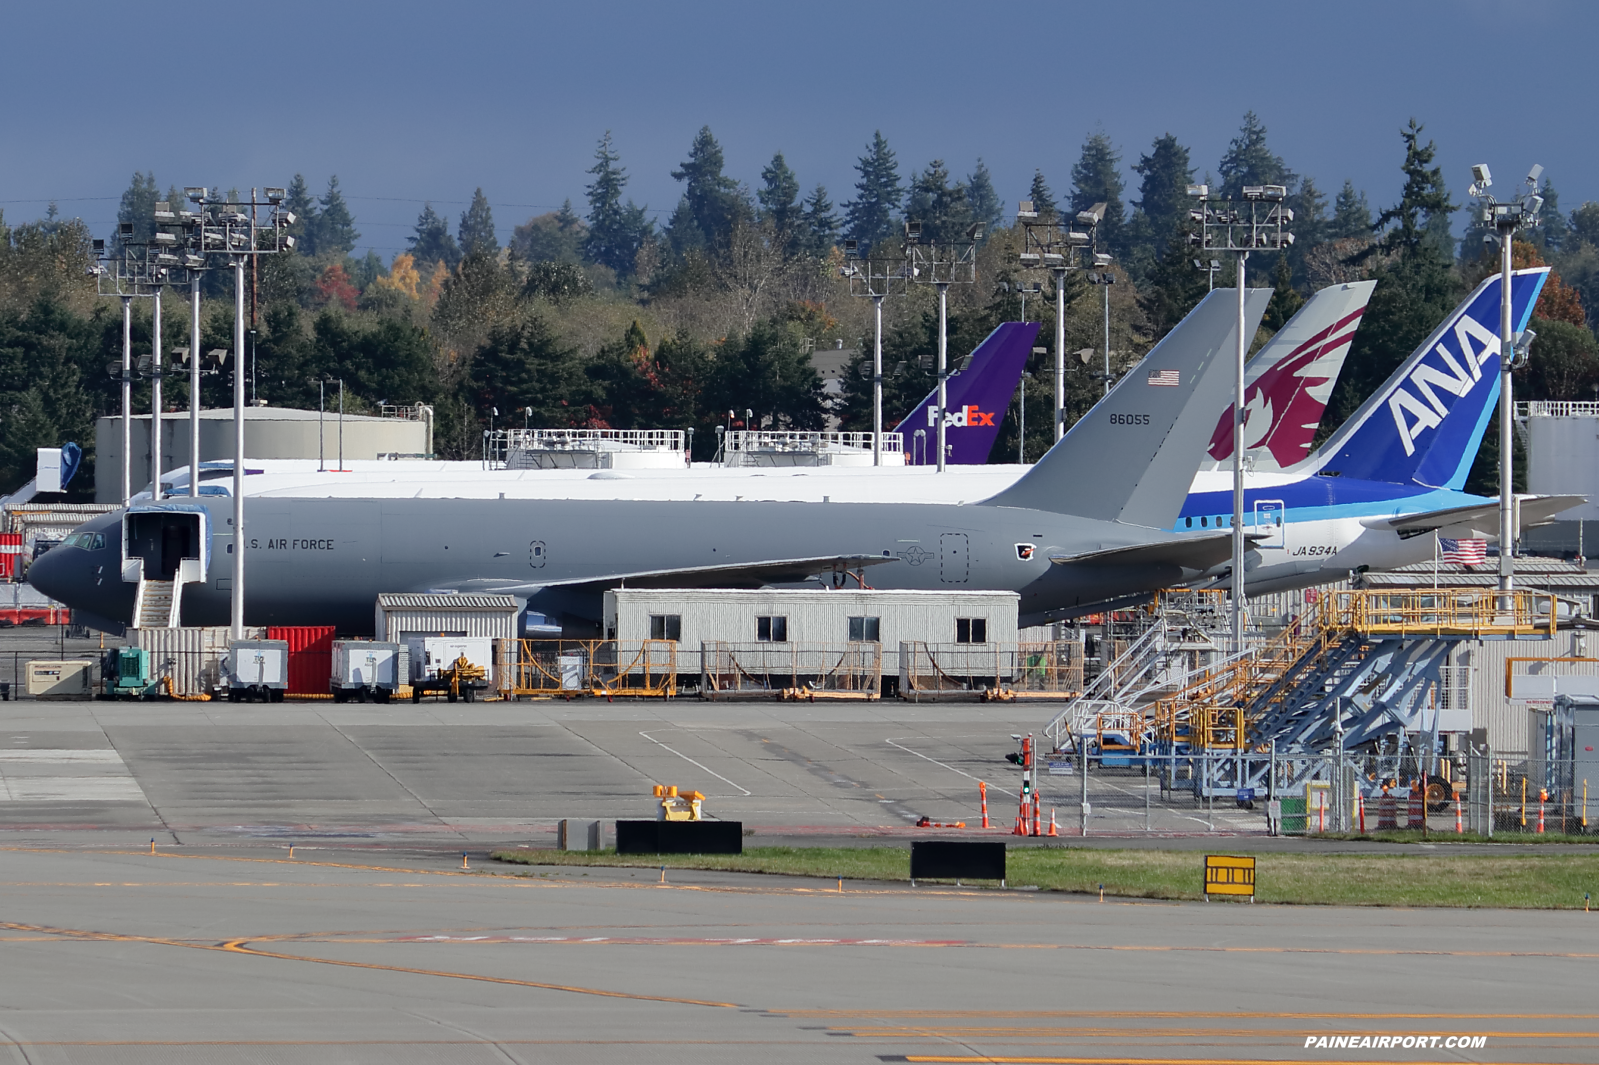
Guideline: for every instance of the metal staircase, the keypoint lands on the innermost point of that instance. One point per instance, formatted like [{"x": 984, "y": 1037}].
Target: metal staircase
[
  {"x": 1361, "y": 663},
  {"x": 155, "y": 605}
]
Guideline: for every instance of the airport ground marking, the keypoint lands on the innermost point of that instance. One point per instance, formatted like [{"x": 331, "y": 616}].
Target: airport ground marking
[
  {"x": 691, "y": 761},
  {"x": 240, "y": 946},
  {"x": 924, "y": 757}
]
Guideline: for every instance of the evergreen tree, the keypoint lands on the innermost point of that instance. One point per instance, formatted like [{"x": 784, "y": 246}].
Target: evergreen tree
[
  {"x": 982, "y": 202},
  {"x": 1351, "y": 214},
  {"x": 818, "y": 225},
  {"x": 683, "y": 233},
  {"x": 335, "y": 226},
  {"x": 940, "y": 207},
  {"x": 431, "y": 242},
  {"x": 1249, "y": 162},
  {"x": 869, "y": 217},
  {"x": 1163, "y": 192},
  {"x": 301, "y": 202},
  {"x": 556, "y": 237},
  {"x": 138, "y": 207},
  {"x": 1310, "y": 225},
  {"x": 523, "y": 363},
  {"x": 1416, "y": 285},
  {"x": 779, "y": 195},
  {"x": 712, "y": 198},
  {"x": 616, "y": 231},
  {"x": 1425, "y": 198},
  {"x": 1043, "y": 199},
  {"x": 1096, "y": 178},
  {"x": 477, "y": 227},
  {"x": 1551, "y": 230}
]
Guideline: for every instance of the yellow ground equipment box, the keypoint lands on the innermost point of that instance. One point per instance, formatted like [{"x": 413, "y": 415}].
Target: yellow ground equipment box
[
  {"x": 61, "y": 680},
  {"x": 672, "y": 806}
]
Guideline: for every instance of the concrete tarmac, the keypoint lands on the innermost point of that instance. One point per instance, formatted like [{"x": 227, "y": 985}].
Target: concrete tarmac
[
  {"x": 371, "y": 943},
  {"x": 123, "y": 956},
  {"x": 485, "y": 773}
]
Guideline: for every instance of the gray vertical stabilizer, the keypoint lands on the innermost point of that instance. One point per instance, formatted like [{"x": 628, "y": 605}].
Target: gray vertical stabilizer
[{"x": 1133, "y": 456}]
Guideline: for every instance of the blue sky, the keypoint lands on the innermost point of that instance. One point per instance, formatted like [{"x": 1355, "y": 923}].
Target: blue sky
[{"x": 408, "y": 102}]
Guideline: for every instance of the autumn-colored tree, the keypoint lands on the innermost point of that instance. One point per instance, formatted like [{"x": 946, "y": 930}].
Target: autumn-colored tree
[
  {"x": 1558, "y": 302},
  {"x": 403, "y": 276},
  {"x": 334, "y": 285},
  {"x": 435, "y": 286}
]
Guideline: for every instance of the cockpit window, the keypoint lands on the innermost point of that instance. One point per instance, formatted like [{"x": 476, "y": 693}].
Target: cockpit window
[{"x": 86, "y": 540}]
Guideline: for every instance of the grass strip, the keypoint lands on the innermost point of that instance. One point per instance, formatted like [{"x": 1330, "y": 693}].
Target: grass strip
[{"x": 1464, "y": 880}]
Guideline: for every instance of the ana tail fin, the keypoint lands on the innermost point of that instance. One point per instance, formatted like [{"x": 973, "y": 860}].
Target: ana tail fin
[
  {"x": 1132, "y": 457},
  {"x": 976, "y": 398}
]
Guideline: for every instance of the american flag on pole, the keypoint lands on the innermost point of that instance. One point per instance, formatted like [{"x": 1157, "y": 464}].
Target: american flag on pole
[
  {"x": 1170, "y": 378},
  {"x": 1464, "y": 552}
]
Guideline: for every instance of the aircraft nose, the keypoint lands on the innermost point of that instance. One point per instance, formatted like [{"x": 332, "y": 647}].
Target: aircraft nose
[{"x": 48, "y": 574}]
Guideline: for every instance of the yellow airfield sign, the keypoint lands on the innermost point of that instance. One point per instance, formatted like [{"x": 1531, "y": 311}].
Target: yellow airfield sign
[{"x": 1227, "y": 874}]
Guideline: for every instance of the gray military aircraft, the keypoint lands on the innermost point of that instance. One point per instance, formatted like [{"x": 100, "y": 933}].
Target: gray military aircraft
[{"x": 1084, "y": 526}]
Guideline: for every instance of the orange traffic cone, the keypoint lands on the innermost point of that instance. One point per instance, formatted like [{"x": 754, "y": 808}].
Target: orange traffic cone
[{"x": 1052, "y": 830}]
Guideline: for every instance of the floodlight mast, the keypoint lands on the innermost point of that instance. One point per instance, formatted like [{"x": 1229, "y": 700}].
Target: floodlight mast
[
  {"x": 942, "y": 263},
  {"x": 135, "y": 276},
  {"x": 874, "y": 276},
  {"x": 1057, "y": 246},
  {"x": 1255, "y": 222},
  {"x": 1503, "y": 220},
  {"x": 226, "y": 227}
]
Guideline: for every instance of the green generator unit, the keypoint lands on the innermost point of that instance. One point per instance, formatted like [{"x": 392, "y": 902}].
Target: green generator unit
[{"x": 127, "y": 673}]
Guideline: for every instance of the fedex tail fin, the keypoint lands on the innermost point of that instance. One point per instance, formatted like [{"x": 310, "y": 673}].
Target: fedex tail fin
[
  {"x": 1288, "y": 382},
  {"x": 976, "y": 398},
  {"x": 1423, "y": 426},
  {"x": 1132, "y": 457}
]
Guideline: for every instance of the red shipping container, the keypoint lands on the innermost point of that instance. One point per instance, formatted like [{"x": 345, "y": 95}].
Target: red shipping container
[{"x": 310, "y": 656}]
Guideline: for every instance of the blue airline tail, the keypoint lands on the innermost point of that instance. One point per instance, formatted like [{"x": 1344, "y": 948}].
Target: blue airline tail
[{"x": 1423, "y": 426}]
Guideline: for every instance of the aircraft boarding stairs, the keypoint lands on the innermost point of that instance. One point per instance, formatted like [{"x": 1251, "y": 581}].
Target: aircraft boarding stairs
[
  {"x": 1181, "y": 627},
  {"x": 165, "y": 545},
  {"x": 1361, "y": 668}
]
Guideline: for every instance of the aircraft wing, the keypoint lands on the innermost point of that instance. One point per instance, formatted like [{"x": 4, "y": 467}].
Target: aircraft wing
[
  {"x": 731, "y": 575},
  {"x": 1198, "y": 553},
  {"x": 1535, "y": 510}
]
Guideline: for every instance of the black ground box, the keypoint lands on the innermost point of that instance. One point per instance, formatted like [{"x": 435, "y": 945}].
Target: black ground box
[{"x": 680, "y": 837}]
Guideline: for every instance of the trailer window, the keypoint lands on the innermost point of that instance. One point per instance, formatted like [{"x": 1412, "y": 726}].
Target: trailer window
[
  {"x": 971, "y": 630},
  {"x": 864, "y": 630},
  {"x": 771, "y": 629},
  {"x": 666, "y": 626}
]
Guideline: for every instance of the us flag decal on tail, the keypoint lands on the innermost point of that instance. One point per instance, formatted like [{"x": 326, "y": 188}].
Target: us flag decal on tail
[{"x": 1169, "y": 378}]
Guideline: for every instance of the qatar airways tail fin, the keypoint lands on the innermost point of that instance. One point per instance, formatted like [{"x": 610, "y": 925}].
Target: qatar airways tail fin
[
  {"x": 976, "y": 399},
  {"x": 1288, "y": 382},
  {"x": 1423, "y": 426}
]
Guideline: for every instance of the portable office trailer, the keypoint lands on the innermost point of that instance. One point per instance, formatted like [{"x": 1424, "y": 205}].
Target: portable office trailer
[
  {"x": 806, "y": 616},
  {"x": 429, "y": 614},
  {"x": 419, "y": 621}
]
